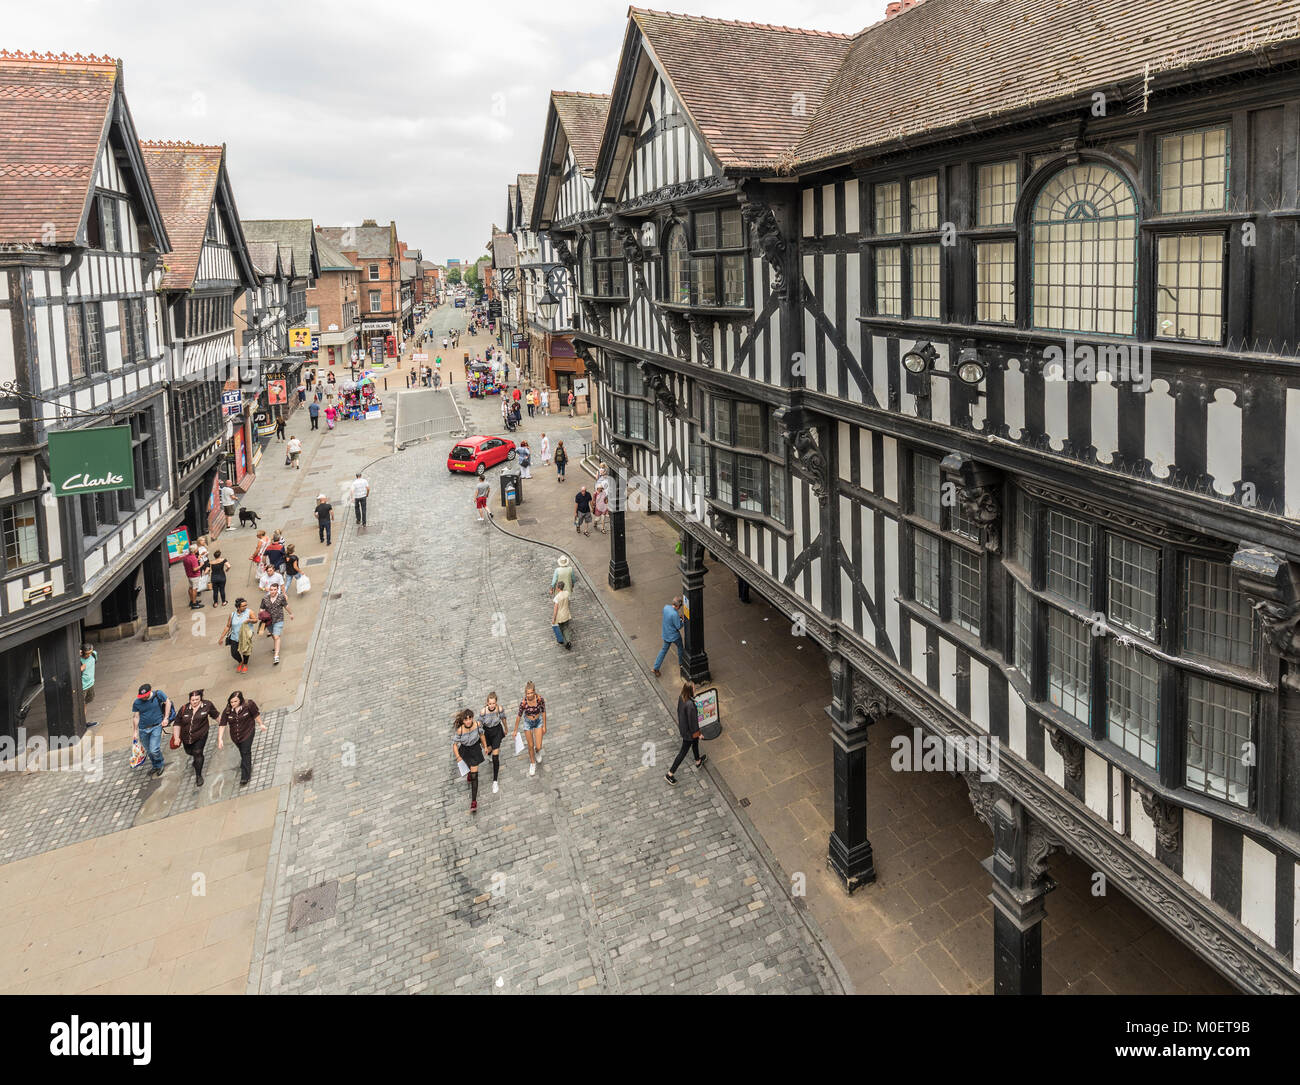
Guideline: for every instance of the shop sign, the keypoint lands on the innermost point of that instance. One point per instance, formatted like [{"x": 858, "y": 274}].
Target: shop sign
[
  {"x": 299, "y": 339},
  {"x": 89, "y": 461},
  {"x": 232, "y": 402},
  {"x": 177, "y": 543},
  {"x": 276, "y": 392}
]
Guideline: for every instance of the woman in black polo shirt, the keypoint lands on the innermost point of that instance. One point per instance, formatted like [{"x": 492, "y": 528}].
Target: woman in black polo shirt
[
  {"x": 241, "y": 717},
  {"x": 194, "y": 720}
]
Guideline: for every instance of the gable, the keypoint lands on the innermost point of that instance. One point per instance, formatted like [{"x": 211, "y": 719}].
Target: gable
[{"x": 667, "y": 148}]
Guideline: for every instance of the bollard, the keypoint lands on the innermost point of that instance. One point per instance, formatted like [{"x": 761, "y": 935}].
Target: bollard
[{"x": 385, "y": 384}]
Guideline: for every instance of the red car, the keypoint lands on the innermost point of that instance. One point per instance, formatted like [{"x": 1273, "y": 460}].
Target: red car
[{"x": 476, "y": 454}]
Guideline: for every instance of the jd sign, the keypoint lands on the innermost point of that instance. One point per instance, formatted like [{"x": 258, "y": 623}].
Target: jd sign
[{"x": 89, "y": 461}]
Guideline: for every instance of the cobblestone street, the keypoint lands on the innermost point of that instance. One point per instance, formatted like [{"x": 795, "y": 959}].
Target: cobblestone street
[{"x": 593, "y": 874}]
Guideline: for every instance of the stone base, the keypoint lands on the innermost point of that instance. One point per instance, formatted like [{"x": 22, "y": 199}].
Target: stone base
[
  {"x": 855, "y": 867},
  {"x": 105, "y": 634},
  {"x": 619, "y": 575},
  {"x": 162, "y": 632}
]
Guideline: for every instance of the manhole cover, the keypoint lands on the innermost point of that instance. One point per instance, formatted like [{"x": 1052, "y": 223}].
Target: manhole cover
[
  {"x": 527, "y": 520},
  {"x": 314, "y": 561},
  {"x": 313, "y": 905},
  {"x": 304, "y": 776}
]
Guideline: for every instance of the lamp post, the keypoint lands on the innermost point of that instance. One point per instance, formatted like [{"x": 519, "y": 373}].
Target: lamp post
[{"x": 357, "y": 336}]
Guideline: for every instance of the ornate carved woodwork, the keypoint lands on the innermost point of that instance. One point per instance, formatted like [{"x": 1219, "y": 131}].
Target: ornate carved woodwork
[
  {"x": 658, "y": 382},
  {"x": 870, "y": 705},
  {"x": 588, "y": 360},
  {"x": 1111, "y": 515},
  {"x": 1272, "y": 584},
  {"x": 725, "y": 526},
  {"x": 1166, "y": 816},
  {"x": 632, "y": 250},
  {"x": 982, "y": 504},
  {"x": 1070, "y": 750},
  {"x": 596, "y": 319},
  {"x": 670, "y": 193},
  {"x": 1039, "y": 845},
  {"x": 680, "y": 326},
  {"x": 761, "y": 219},
  {"x": 807, "y": 460},
  {"x": 702, "y": 327},
  {"x": 983, "y": 794}
]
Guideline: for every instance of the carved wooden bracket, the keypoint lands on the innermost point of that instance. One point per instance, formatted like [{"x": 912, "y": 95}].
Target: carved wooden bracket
[
  {"x": 1166, "y": 816},
  {"x": 725, "y": 526},
  {"x": 702, "y": 327},
  {"x": 1272, "y": 584},
  {"x": 982, "y": 504},
  {"x": 806, "y": 457},
  {"x": 983, "y": 794},
  {"x": 563, "y": 251},
  {"x": 589, "y": 361},
  {"x": 762, "y": 221},
  {"x": 1070, "y": 750},
  {"x": 870, "y": 703},
  {"x": 660, "y": 386}
]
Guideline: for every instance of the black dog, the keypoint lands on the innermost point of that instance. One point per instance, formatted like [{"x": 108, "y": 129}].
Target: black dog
[{"x": 247, "y": 517}]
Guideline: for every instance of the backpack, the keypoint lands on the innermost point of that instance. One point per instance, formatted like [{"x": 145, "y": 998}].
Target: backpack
[{"x": 171, "y": 716}]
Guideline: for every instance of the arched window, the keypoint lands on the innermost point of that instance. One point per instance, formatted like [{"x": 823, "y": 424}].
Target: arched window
[
  {"x": 588, "y": 272},
  {"x": 1085, "y": 252},
  {"x": 679, "y": 268}
]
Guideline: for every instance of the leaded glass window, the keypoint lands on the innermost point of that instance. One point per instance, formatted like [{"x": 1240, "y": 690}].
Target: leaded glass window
[
  {"x": 1189, "y": 287},
  {"x": 679, "y": 268},
  {"x": 995, "y": 282},
  {"x": 1194, "y": 171},
  {"x": 923, "y": 210},
  {"x": 1134, "y": 571},
  {"x": 1069, "y": 664},
  {"x": 926, "y": 493},
  {"x": 925, "y": 281},
  {"x": 1069, "y": 557},
  {"x": 925, "y": 570},
  {"x": 965, "y": 578},
  {"x": 997, "y": 187},
  {"x": 1133, "y": 681},
  {"x": 1085, "y": 252},
  {"x": 889, "y": 208},
  {"x": 1217, "y": 620},
  {"x": 1219, "y": 754},
  {"x": 889, "y": 281}
]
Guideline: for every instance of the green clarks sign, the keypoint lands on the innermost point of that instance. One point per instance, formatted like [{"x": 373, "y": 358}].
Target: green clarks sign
[{"x": 91, "y": 461}]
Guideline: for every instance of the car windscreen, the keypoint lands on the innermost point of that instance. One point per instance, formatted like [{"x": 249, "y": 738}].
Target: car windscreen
[{"x": 461, "y": 452}]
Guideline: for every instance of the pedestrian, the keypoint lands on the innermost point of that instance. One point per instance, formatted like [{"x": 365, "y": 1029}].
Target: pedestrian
[
  {"x": 360, "y": 492},
  {"x": 330, "y": 414},
  {"x": 563, "y": 574},
  {"x": 546, "y": 401},
  {"x": 192, "y": 566},
  {"x": 276, "y": 604},
  {"x": 482, "y": 491},
  {"x": 268, "y": 578},
  {"x": 201, "y": 548},
  {"x": 259, "y": 550},
  {"x": 89, "y": 658},
  {"x": 302, "y": 393},
  {"x": 493, "y": 719},
  {"x": 525, "y": 458},
  {"x": 218, "y": 568},
  {"x": 532, "y": 403},
  {"x": 573, "y": 402},
  {"x": 292, "y": 567},
  {"x": 582, "y": 511},
  {"x": 194, "y": 721},
  {"x": 279, "y": 426},
  {"x": 468, "y": 746},
  {"x": 532, "y": 710},
  {"x": 544, "y": 447},
  {"x": 274, "y": 555},
  {"x": 238, "y": 634},
  {"x": 688, "y": 726},
  {"x": 149, "y": 711},
  {"x": 228, "y": 499},
  {"x": 313, "y": 411},
  {"x": 239, "y": 719},
  {"x": 600, "y": 506},
  {"x": 671, "y": 630},
  {"x": 515, "y": 395},
  {"x": 561, "y": 616},
  {"x": 561, "y": 460},
  {"x": 325, "y": 520}
]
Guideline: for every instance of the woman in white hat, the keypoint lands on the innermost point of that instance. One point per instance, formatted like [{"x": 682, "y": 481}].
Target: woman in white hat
[{"x": 563, "y": 574}]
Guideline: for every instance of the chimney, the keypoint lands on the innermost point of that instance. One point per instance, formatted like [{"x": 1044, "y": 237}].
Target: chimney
[
  {"x": 368, "y": 222},
  {"x": 896, "y": 6}
]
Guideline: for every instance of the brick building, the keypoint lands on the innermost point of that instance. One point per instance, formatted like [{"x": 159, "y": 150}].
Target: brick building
[{"x": 334, "y": 305}]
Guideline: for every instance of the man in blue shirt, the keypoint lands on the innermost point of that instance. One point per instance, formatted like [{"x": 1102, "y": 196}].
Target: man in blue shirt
[
  {"x": 672, "y": 631},
  {"x": 149, "y": 712}
]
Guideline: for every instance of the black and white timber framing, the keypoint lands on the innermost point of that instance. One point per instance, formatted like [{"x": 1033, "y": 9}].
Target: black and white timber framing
[{"x": 1189, "y": 467}]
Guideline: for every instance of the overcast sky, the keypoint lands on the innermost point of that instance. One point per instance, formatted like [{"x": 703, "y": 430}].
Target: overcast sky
[{"x": 385, "y": 110}]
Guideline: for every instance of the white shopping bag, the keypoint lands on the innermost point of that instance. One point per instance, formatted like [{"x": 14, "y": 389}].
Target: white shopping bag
[
  {"x": 303, "y": 584},
  {"x": 519, "y": 743},
  {"x": 464, "y": 768}
]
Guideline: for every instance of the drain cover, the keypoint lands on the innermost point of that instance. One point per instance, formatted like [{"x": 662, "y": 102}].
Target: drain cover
[
  {"x": 527, "y": 520},
  {"x": 315, "y": 561},
  {"x": 304, "y": 775},
  {"x": 313, "y": 905},
  {"x": 744, "y": 802},
  {"x": 336, "y": 595}
]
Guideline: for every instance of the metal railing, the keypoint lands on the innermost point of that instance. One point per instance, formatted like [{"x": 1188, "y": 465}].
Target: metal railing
[{"x": 413, "y": 432}]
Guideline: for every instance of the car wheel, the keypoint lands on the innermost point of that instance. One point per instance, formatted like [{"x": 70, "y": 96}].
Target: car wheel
[
  {"x": 511, "y": 454},
  {"x": 482, "y": 470}
]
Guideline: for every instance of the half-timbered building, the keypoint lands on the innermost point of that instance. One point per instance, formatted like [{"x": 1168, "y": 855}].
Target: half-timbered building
[
  {"x": 991, "y": 386},
  {"x": 300, "y": 262},
  {"x": 82, "y": 345},
  {"x": 206, "y": 270},
  {"x": 263, "y": 315}
]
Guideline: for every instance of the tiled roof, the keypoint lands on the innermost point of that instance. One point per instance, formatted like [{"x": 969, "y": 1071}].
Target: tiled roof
[
  {"x": 184, "y": 178},
  {"x": 53, "y": 111},
  {"x": 409, "y": 269},
  {"x": 292, "y": 234},
  {"x": 527, "y": 190},
  {"x": 749, "y": 88},
  {"x": 946, "y": 63},
  {"x": 263, "y": 254},
  {"x": 331, "y": 259},
  {"x": 368, "y": 242},
  {"x": 583, "y": 118}
]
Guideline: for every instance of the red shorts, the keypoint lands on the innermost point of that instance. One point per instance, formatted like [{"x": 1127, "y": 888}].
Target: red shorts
[{"x": 480, "y": 502}]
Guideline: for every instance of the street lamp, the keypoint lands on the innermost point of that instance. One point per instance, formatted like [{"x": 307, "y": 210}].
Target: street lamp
[
  {"x": 548, "y": 304},
  {"x": 356, "y": 331}
]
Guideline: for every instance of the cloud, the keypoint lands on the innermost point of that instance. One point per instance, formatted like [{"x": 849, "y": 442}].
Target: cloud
[{"x": 385, "y": 110}]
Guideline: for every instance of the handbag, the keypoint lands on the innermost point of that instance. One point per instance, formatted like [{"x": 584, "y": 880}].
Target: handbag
[
  {"x": 302, "y": 584},
  {"x": 137, "y": 753},
  {"x": 175, "y": 743},
  {"x": 264, "y": 616}
]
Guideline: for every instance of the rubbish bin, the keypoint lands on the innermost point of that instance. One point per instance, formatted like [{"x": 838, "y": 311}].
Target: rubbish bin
[{"x": 512, "y": 491}]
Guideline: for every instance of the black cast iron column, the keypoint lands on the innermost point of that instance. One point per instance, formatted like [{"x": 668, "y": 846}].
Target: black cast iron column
[
  {"x": 619, "y": 574},
  {"x": 61, "y": 671},
  {"x": 157, "y": 588},
  {"x": 1017, "y": 904},
  {"x": 695, "y": 660},
  {"x": 850, "y": 851}
]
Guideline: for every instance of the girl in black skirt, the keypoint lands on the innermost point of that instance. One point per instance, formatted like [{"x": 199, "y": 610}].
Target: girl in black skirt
[
  {"x": 468, "y": 746},
  {"x": 493, "y": 718}
]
